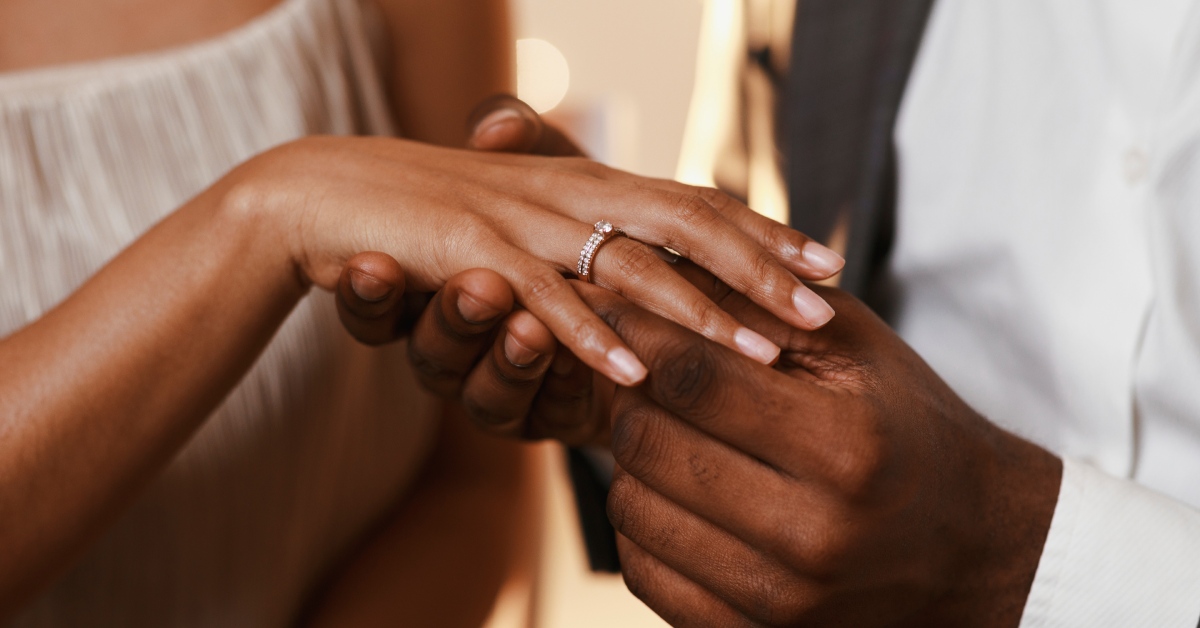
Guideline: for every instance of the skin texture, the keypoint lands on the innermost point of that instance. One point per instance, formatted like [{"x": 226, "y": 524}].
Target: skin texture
[
  {"x": 37, "y": 34},
  {"x": 879, "y": 497},
  {"x": 100, "y": 393},
  {"x": 439, "y": 212},
  {"x": 540, "y": 389},
  {"x": 847, "y": 485},
  {"x": 147, "y": 339}
]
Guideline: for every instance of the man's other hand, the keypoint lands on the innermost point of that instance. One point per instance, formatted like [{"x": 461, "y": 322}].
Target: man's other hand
[{"x": 847, "y": 486}]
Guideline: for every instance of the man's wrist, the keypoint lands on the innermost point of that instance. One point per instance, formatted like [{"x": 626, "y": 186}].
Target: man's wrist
[{"x": 1017, "y": 485}]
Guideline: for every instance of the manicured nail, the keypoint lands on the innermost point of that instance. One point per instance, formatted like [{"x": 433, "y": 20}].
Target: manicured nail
[
  {"x": 517, "y": 353},
  {"x": 813, "y": 308},
  {"x": 630, "y": 370},
  {"x": 475, "y": 311},
  {"x": 493, "y": 121},
  {"x": 822, "y": 258},
  {"x": 564, "y": 363},
  {"x": 368, "y": 288},
  {"x": 755, "y": 346}
]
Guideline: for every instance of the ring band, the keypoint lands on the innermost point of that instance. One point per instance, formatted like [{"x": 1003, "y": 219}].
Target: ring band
[{"x": 604, "y": 231}]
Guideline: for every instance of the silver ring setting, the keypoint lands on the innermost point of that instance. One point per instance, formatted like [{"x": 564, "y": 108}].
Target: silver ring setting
[{"x": 604, "y": 231}]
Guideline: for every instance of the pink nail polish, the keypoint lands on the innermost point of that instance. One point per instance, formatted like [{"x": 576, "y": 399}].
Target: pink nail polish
[
  {"x": 813, "y": 308},
  {"x": 755, "y": 346},
  {"x": 629, "y": 369}
]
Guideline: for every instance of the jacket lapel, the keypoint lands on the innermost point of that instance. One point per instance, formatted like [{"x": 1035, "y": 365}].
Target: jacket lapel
[{"x": 850, "y": 63}]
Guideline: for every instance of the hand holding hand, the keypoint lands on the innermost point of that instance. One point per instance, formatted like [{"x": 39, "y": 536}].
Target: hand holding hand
[
  {"x": 847, "y": 486},
  {"x": 439, "y": 212},
  {"x": 505, "y": 366},
  {"x": 524, "y": 385}
]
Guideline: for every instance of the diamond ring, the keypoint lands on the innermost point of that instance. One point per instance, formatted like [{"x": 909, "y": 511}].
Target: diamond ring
[{"x": 604, "y": 231}]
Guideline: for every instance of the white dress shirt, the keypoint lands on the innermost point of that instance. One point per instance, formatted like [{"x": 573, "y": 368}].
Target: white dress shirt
[{"x": 1047, "y": 259}]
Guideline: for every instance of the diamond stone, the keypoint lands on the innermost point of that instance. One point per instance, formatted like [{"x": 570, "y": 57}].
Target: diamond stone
[{"x": 604, "y": 227}]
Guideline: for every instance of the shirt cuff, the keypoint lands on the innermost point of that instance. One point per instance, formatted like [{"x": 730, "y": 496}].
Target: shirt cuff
[{"x": 1117, "y": 554}]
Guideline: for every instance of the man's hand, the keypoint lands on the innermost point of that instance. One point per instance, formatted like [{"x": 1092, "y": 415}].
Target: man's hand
[
  {"x": 505, "y": 124},
  {"x": 847, "y": 486},
  {"x": 467, "y": 342}
]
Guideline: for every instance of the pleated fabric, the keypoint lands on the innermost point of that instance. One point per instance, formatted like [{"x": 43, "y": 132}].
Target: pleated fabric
[{"x": 323, "y": 435}]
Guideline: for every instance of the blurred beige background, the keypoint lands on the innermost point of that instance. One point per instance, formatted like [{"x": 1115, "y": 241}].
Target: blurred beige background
[{"x": 631, "y": 68}]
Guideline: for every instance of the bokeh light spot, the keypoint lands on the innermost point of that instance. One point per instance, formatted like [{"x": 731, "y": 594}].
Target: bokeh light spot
[{"x": 542, "y": 74}]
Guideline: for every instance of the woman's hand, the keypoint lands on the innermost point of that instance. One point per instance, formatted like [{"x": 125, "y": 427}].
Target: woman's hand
[{"x": 440, "y": 211}]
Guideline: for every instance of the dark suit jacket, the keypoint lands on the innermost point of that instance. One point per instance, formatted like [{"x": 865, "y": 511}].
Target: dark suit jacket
[{"x": 850, "y": 63}]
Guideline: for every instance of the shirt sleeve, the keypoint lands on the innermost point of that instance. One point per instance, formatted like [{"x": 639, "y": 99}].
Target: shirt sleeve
[{"x": 1117, "y": 554}]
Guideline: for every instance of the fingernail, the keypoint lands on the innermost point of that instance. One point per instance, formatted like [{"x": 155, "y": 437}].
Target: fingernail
[
  {"x": 368, "y": 288},
  {"x": 563, "y": 363},
  {"x": 822, "y": 258},
  {"x": 813, "y": 308},
  {"x": 494, "y": 120},
  {"x": 517, "y": 353},
  {"x": 475, "y": 311},
  {"x": 754, "y": 346},
  {"x": 630, "y": 370}
]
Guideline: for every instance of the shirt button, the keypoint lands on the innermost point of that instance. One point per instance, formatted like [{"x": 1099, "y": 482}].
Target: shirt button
[{"x": 1136, "y": 165}]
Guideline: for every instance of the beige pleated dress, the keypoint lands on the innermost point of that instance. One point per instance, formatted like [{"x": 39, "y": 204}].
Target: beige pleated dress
[{"x": 323, "y": 435}]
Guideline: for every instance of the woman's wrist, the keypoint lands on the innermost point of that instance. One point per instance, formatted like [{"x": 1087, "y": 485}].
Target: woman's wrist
[{"x": 257, "y": 205}]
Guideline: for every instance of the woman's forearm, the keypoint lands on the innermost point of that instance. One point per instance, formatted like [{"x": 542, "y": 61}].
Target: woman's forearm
[{"x": 99, "y": 394}]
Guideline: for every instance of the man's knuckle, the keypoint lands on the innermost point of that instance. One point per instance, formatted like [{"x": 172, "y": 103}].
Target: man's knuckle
[
  {"x": 636, "y": 446},
  {"x": 686, "y": 380},
  {"x": 703, "y": 469},
  {"x": 636, "y": 573},
  {"x": 623, "y": 498},
  {"x": 778, "y": 601},
  {"x": 861, "y": 463},
  {"x": 829, "y": 541}
]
